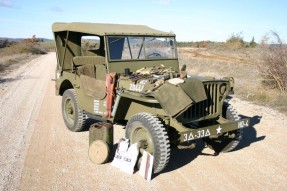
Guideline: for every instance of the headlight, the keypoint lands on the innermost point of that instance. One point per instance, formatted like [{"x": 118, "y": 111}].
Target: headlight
[{"x": 222, "y": 89}]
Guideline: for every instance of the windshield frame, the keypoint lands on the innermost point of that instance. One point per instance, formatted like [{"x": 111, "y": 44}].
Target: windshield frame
[{"x": 142, "y": 47}]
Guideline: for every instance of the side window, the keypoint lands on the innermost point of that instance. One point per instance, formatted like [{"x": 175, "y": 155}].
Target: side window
[{"x": 90, "y": 43}]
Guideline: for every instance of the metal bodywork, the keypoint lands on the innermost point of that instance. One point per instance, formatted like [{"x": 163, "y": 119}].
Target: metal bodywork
[{"x": 142, "y": 83}]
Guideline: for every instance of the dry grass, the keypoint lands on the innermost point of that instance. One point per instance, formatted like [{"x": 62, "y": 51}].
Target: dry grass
[
  {"x": 48, "y": 45},
  {"x": 23, "y": 48},
  {"x": 18, "y": 53},
  {"x": 11, "y": 62},
  {"x": 240, "y": 64}
]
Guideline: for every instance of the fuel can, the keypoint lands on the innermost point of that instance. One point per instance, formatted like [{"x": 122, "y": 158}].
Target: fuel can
[{"x": 101, "y": 142}]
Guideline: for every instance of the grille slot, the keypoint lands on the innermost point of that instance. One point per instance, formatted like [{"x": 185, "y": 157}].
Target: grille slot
[{"x": 206, "y": 108}]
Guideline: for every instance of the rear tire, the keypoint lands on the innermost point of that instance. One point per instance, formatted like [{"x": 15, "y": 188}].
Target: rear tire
[
  {"x": 73, "y": 116},
  {"x": 148, "y": 128}
]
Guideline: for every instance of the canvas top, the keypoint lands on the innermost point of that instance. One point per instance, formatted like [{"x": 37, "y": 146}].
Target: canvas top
[{"x": 102, "y": 29}]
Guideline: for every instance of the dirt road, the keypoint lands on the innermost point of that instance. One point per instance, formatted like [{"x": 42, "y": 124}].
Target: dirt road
[{"x": 39, "y": 153}]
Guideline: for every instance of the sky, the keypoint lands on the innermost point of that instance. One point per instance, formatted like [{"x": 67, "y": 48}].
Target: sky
[{"x": 190, "y": 20}]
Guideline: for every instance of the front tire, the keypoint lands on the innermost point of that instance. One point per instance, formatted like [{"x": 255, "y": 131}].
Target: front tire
[
  {"x": 230, "y": 140},
  {"x": 73, "y": 116},
  {"x": 146, "y": 129}
]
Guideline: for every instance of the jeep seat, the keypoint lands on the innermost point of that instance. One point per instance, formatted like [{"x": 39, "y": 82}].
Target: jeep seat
[
  {"x": 93, "y": 66},
  {"x": 83, "y": 60}
]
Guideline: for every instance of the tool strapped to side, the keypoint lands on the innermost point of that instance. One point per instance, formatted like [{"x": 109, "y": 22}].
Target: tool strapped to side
[{"x": 110, "y": 83}]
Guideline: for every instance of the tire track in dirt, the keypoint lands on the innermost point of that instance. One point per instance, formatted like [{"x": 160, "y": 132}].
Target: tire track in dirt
[{"x": 19, "y": 109}]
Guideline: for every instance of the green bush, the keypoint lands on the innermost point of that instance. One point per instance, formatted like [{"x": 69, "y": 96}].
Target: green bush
[
  {"x": 235, "y": 41},
  {"x": 6, "y": 43},
  {"x": 252, "y": 43}
]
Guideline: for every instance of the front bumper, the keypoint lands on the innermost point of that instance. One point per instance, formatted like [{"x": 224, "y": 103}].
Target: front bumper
[{"x": 213, "y": 130}]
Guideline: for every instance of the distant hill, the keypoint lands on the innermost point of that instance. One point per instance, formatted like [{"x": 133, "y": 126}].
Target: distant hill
[{"x": 21, "y": 39}]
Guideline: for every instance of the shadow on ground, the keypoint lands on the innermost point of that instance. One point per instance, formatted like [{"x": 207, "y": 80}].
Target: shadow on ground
[
  {"x": 181, "y": 157},
  {"x": 8, "y": 80},
  {"x": 249, "y": 135},
  {"x": 5, "y": 80}
]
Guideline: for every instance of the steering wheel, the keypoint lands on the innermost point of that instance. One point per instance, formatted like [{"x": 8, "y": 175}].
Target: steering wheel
[{"x": 154, "y": 54}]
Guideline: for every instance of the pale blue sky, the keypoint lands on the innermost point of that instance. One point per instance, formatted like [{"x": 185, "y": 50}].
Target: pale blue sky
[{"x": 191, "y": 20}]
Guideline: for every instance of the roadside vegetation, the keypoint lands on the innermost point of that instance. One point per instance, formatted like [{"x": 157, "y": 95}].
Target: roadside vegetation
[
  {"x": 273, "y": 66},
  {"x": 13, "y": 53},
  {"x": 260, "y": 70}
]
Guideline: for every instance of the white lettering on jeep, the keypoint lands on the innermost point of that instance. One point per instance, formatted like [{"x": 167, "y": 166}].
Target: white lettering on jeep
[{"x": 136, "y": 87}]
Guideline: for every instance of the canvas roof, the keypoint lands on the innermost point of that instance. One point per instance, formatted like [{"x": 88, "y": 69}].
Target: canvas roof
[{"x": 108, "y": 29}]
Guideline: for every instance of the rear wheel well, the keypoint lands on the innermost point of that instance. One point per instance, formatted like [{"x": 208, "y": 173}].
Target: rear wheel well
[{"x": 66, "y": 84}]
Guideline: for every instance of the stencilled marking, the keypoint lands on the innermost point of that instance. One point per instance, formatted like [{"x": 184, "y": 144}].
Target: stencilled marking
[
  {"x": 242, "y": 124},
  {"x": 136, "y": 87},
  {"x": 218, "y": 130},
  {"x": 97, "y": 107},
  {"x": 201, "y": 133},
  {"x": 143, "y": 82}
]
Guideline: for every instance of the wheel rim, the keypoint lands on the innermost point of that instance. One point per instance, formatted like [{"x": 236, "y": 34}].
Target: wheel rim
[
  {"x": 69, "y": 109},
  {"x": 147, "y": 128},
  {"x": 141, "y": 136}
]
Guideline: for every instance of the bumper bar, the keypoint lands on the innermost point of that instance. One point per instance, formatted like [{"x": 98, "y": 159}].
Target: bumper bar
[{"x": 213, "y": 130}]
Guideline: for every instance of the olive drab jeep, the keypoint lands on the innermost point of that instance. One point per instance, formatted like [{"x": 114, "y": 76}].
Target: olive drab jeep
[{"x": 130, "y": 74}]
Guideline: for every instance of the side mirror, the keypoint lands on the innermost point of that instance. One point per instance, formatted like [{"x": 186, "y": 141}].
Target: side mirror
[{"x": 171, "y": 43}]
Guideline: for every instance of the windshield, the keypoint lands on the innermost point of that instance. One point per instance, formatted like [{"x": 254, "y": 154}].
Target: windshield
[{"x": 141, "y": 48}]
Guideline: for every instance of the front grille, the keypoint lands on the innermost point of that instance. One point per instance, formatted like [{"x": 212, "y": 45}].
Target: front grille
[{"x": 208, "y": 108}]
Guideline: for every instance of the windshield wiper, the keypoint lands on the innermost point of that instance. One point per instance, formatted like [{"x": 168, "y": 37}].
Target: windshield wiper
[{"x": 111, "y": 42}]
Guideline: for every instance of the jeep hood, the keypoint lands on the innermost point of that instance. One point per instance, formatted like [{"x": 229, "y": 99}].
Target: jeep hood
[
  {"x": 175, "y": 95},
  {"x": 175, "y": 99}
]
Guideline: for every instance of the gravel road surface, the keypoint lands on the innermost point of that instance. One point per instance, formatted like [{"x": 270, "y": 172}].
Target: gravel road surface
[{"x": 37, "y": 152}]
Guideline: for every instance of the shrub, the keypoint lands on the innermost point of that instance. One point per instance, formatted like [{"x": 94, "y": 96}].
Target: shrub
[
  {"x": 235, "y": 41},
  {"x": 273, "y": 64},
  {"x": 252, "y": 43},
  {"x": 3, "y": 43},
  {"x": 36, "y": 49},
  {"x": 6, "y": 43}
]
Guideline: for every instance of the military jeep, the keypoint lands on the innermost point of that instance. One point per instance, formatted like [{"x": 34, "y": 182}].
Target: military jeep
[{"x": 130, "y": 74}]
